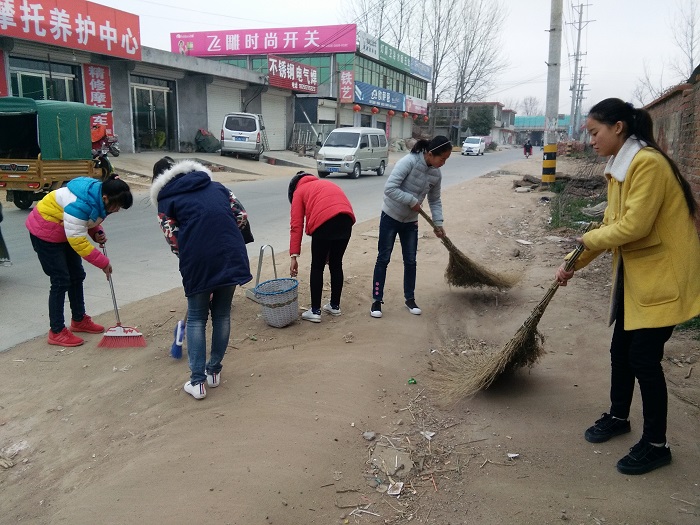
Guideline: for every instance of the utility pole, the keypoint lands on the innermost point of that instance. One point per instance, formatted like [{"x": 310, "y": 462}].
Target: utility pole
[
  {"x": 549, "y": 164},
  {"x": 575, "y": 109}
]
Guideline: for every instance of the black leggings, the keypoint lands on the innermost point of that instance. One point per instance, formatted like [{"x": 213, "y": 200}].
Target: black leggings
[
  {"x": 328, "y": 244},
  {"x": 637, "y": 354}
]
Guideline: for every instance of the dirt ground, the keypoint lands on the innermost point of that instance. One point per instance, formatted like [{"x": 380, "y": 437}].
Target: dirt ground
[{"x": 314, "y": 422}]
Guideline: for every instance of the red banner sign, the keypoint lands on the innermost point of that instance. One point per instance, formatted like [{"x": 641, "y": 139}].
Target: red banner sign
[
  {"x": 347, "y": 87},
  {"x": 98, "y": 93},
  {"x": 75, "y": 24},
  {"x": 4, "y": 91},
  {"x": 288, "y": 74}
]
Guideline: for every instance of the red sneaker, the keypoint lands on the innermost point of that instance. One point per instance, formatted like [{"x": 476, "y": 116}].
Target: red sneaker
[
  {"x": 64, "y": 338},
  {"x": 86, "y": 325}
]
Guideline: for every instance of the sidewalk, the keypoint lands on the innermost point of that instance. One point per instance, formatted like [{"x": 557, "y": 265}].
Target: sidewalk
[{"x": 138, "y": 167}]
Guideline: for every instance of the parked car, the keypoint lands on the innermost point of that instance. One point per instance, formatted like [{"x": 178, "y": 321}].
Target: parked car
[
  {"x": 473, "y": 146},
  {"x": 242, "y": 133},
  {"x": 352, "y": 151}
]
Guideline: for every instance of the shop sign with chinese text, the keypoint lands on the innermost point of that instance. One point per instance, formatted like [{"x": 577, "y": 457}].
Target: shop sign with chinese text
[
  {"x": 98, "y": 93},
  {"x": 375, "y": 96},
  {"x": 288, "y": 74},
  {"x": 278, "y": 41},
  {"x": 74, "y": 24}
]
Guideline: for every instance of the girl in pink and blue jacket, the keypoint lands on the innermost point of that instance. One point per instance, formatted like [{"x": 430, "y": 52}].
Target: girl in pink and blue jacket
[{"x": 60, "y": 226}]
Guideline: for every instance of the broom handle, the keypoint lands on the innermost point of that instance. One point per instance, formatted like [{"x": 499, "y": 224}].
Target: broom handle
[
  {"x": 427, "y": 218},
  {"x": 111, "y": 287},
  {"x": 537, "y": 312}
]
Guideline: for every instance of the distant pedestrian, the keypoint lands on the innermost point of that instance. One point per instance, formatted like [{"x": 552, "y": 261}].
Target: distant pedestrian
[
  {"x": 59, "y": 227},
  {"x": 414, "y": 177},
  {"x": 199, "y": 220},
  {"x": 328, "y": 215},
  {"x": 648, "y": 225}
]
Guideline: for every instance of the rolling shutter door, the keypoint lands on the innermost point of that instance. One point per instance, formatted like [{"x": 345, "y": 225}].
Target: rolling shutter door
[
  {"x": 274, "y": 112},
  {"x": 221, "y": 100}
]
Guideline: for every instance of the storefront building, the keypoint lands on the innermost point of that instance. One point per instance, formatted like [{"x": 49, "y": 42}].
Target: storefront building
[
  {"x": 86, "y": 52},
  {"x": 333, "y": 76},
  {"x": 358, "y": 79}
]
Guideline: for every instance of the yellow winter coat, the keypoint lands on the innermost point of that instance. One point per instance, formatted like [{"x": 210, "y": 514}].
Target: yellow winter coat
[{"x": 647, "y": 224}]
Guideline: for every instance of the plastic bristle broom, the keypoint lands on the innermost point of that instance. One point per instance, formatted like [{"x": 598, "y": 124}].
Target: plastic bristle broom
[
  {"x": 179, "y": 337},
  {"x": 120, "y": 336}
]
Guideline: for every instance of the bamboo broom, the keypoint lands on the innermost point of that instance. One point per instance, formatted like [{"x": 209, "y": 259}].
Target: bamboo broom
[
  {"x": 463, "y": 272},
  {"x": 465, "y": 376}
]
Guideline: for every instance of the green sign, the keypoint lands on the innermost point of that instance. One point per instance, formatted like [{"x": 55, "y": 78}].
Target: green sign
[{"x": 393, "y": 57}]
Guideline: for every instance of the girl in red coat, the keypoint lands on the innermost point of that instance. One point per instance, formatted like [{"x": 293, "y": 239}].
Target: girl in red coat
[{"x": 329, "y": 219}]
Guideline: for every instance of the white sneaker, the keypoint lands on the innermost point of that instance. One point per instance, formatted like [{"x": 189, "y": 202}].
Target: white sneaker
[
  {"x": 309, "y": 315},
  {"x": 196, "y": 391},
  {"x": 333, "y": 311},
  {"x": 214, "y": 380},
  {"x": 376, "y": 309},
  {"x": 413, "y": 307}
]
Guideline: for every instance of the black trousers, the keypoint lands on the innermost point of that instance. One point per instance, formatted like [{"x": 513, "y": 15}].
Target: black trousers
[
  {"x": 637, "y": 354},
  {"x": 328, "y": 245}
]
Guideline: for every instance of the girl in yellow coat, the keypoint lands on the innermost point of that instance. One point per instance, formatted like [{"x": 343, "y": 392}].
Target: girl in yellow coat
[{"x": 649, "y": 227}]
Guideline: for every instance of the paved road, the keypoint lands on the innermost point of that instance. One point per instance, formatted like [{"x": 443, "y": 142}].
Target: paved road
[{"x": 143, "y": 265}]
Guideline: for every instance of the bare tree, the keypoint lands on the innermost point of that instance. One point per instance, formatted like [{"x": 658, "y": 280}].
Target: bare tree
[
  {"x": 511, "y": 103},
  {"x": 459, "y": 39},
  {"x": 649, "y": 88},
  {"x": 686, "y": 33},
  {"x": 531, "y": 106},
  {"x": 477, "y": 56},
  {"x": 685, "y": 30}
]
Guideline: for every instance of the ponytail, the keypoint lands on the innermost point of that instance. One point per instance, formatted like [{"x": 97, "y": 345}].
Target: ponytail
[
  {"x": 117, "y": 192},
  {"x": 437, "y": 146}
]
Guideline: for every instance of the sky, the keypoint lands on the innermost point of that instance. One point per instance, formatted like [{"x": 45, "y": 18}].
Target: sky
[{"x": 618, "y": 38}]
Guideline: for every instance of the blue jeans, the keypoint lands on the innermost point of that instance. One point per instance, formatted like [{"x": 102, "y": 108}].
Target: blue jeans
[
  {"x": 408, "y": 235},
  {"x": 65, "y": 270},
  {"x": 218, "y": 301}
]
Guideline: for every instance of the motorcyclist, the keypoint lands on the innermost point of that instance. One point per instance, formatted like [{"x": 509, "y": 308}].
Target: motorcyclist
[{"x": 527, "y": 148}]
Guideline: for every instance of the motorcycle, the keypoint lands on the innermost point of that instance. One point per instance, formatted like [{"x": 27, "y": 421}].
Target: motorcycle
[
  {"x": 527, "y": 150},
  {"x": 101, "y": 140},
  {"x": 102, "y": 162}
]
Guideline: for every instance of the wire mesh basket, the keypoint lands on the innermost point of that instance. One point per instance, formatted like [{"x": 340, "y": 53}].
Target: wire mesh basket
[{"x": 279, "y": 300}]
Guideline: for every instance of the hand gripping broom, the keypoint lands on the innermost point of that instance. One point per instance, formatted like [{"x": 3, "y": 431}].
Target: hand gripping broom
[
  {"x": 465, "y": 377},
  {"x": 119, "y": 336},
  {"x": 462, "y": 271}
]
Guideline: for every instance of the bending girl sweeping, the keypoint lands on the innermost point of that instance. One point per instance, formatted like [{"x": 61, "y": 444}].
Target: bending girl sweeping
[
  {"x": 198, "y": 218},
  {"x": 59, "y": 227}
]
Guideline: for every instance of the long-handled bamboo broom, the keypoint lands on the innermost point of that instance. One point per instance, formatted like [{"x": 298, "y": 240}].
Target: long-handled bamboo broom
[
  {"x": 462, "y": 271},
  {"x": 465, "y": 376}
]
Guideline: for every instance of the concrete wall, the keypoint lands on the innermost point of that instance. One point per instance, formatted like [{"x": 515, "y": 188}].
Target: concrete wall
[
  {"x": 121, "y": 104},
  {"x": 191, "y": 109},
  {"x": 677, "y": 128}
]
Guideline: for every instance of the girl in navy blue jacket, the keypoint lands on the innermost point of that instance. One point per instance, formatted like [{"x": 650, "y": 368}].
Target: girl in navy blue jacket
[{"x": 198, "y": 220}]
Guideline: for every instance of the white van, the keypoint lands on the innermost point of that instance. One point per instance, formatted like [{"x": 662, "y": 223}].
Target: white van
[
  {"x": 352, "y": 151},
  {"x": 241, "y": 133},
  {"x": 474, "y": 146}
]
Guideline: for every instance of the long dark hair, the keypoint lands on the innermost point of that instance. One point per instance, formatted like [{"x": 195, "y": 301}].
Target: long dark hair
[
  {"x": 293, "y": 183},
  {"x": 117, "y": 192},
  {"x": 438, "y": 145},
  {"x": 638, "y": 122}
]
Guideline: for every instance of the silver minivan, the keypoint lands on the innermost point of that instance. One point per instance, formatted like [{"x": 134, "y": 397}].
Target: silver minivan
[
  {"x": 352, "y": 151},
  {"x": 242, "y": 133}
]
